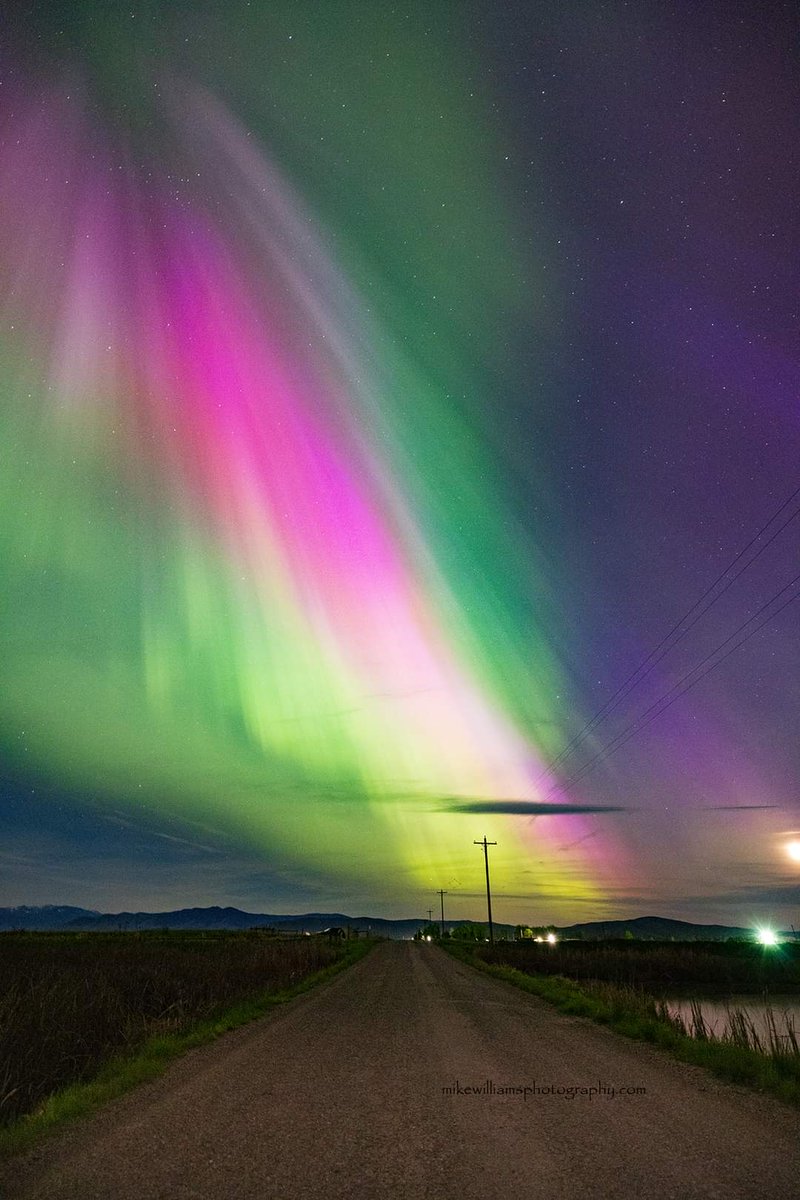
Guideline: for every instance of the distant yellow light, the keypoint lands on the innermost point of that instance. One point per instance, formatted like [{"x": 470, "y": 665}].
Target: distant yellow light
[{"x": 793, "y": 850}]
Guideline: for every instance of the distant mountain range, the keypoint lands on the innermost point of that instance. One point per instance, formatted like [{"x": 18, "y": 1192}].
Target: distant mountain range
[{"x": 64, "y": 917}]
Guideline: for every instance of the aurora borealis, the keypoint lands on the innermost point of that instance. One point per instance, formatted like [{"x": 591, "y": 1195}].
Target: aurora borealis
[{"x": 379, "y": 386}]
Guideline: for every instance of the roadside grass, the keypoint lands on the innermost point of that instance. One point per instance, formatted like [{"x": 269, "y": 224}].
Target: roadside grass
[
  {"x": 150, "y": 1057},
  {"x": 739, "y": 1056}
]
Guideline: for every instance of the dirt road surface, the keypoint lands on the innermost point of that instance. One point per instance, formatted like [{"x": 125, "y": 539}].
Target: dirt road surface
[{"x": 342, "y": 1094}]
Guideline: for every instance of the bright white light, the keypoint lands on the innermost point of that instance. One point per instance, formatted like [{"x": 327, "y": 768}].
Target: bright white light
[
  {"x": 767, "y": 937},
  {"x": 538, "y": 939},
  {"x": 793, "y": 850},
  {"x": 427, "y": 937},
  {"x": 551, "y": 937}
]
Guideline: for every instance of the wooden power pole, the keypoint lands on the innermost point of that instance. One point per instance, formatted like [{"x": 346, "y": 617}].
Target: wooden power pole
[
  {"x": 486, "y": 846},
  {"x": 442, "y": 895}
]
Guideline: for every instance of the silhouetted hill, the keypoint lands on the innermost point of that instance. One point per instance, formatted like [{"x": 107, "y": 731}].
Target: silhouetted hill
[
  {"x": 49, "y": 916},
  {"x": 654, "y": 927}
]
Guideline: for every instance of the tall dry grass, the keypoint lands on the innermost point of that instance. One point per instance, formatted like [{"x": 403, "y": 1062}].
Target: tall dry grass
[
  {"x": 723, "y": 968},
  {"x": 69, "y": 1002}
]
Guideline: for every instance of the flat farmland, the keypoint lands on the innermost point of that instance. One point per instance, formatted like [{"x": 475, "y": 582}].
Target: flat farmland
[{"x": 70, "y": 1002}]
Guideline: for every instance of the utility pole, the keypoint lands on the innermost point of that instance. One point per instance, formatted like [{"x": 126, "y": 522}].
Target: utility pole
[
  {"x": 486, "y": 846},
  {"x": 430, "y": 916},
  {"x": 442, "y": 895}
]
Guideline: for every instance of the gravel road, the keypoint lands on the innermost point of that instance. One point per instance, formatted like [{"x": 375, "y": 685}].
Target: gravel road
[{"x": 341, "y": 1093}]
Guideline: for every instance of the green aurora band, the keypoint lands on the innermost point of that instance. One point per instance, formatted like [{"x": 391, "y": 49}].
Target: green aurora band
[{"x": 262, "y": 570}]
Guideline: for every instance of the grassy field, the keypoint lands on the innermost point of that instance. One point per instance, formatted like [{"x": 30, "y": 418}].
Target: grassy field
[
  {"x": 708, "y": 968},
  {"x": 69, "y": 1003}
]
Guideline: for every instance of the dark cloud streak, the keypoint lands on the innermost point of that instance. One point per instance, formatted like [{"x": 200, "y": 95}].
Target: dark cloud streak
[{"x": 528, "y": 808}]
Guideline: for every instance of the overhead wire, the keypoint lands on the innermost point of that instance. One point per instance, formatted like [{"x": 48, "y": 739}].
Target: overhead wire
[
  {"x": 639, "y": 724},
  {"x": 654, "y": 657}
]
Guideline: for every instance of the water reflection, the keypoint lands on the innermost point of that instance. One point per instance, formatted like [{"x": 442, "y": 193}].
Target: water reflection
[{"x": 717, "y": 1013}]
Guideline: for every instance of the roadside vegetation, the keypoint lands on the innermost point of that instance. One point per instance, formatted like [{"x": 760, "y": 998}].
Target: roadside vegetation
[
  {"x": 84, "y": 1016},
  {"x": 710, "y": 968},
  {"x": 768, "y": 1061}
]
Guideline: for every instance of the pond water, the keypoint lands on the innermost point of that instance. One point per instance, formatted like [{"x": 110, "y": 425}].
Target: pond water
[{"x": 785, "y": 1010}]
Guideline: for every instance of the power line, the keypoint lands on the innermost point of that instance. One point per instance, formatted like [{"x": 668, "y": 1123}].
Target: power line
[
  {"x": 624, "y": 689},
  {"x": 639, "y": 724},
  {"x": 632, "y": 681}
]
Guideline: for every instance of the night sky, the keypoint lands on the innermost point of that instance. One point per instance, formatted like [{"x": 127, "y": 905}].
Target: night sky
[{"x": 382, "y": 386}]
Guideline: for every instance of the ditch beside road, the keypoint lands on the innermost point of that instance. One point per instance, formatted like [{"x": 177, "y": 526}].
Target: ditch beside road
[{"x": 412, "y": 1075}]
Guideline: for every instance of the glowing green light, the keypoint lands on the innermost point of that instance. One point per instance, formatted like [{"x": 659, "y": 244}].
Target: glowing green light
[{"x": 767, "y": 938}]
